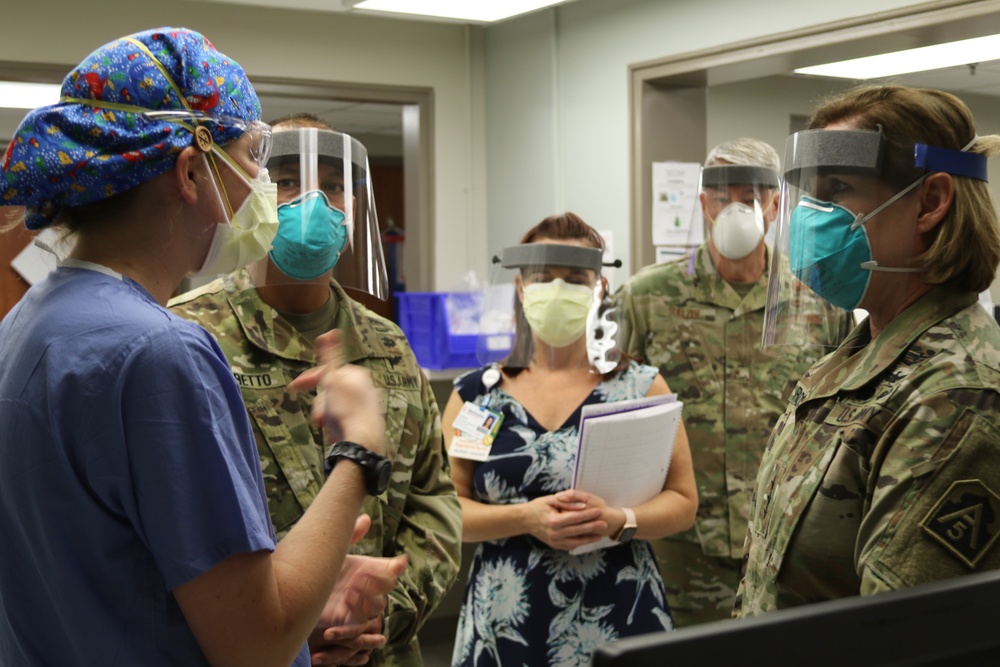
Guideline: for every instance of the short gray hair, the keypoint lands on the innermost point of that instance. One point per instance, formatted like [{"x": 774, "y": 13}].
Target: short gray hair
[{"x": 745, "y": 151}]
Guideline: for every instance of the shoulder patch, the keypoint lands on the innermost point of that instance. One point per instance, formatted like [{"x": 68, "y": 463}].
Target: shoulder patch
[{"x": 965, "y": 520}]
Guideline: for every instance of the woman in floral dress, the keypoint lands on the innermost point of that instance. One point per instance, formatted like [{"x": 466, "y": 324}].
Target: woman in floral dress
[{"x": 528, "y": 600}]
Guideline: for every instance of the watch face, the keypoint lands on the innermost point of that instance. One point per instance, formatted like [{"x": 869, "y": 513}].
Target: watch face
[
  {"x": 377, "y": 469},
  {"x": 383, "y": 473}
]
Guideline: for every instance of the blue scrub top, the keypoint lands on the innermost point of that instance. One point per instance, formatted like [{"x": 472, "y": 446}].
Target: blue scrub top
[{"x": 128, "y": 468}]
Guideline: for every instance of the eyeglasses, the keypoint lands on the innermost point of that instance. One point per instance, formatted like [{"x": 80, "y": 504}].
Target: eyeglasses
[{"x": 258, "y": 132}]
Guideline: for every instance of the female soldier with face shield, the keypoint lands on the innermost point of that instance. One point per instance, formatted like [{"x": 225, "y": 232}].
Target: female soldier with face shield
[
  {"x": 267, "y": 318},
  {"x": 520, "y": 419},
  {"x": 132, "y": 506},
  {"x": 884, "y": 471}
]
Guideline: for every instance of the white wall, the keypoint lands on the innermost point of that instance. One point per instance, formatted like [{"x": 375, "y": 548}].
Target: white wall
[
  {"x": 557, "y": 126},
  {"x": 312, "y": 46}
]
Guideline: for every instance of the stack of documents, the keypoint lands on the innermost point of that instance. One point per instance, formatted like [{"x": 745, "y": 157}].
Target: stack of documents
[{"x": 624, "y": 451}]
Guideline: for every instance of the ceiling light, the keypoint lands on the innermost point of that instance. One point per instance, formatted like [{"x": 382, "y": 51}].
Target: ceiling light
[
  {"x": 18, "y": 95},
  {"x": 481, "y": 10},
  {"x": 964, "y": 52}
]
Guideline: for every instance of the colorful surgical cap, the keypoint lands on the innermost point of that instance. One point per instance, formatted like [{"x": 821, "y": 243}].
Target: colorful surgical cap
[{"x": 98, "y": 142}]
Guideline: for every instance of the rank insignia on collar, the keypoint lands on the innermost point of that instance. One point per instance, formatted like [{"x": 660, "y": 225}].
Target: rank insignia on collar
[{"x": 965, "y": 520}]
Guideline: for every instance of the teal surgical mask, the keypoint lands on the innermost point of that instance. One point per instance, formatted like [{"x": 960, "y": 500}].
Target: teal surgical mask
[
  {"x": 311, "y": 236},
  {"x": 830, "y": 252},
  {"x": 557, "y": 311}
]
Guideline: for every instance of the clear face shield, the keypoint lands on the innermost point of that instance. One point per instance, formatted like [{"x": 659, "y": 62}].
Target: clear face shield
[
  {"x": 327, "y": 222},
  {"x": 738, "y": 203},
  {"x": 546, "y": 303},
  {"x": 838, "y": 236}
]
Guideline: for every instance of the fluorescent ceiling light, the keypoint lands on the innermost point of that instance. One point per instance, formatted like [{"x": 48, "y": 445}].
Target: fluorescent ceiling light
[
  {"x": 479, "y": 10},
  {"x": 17, "y": 95},
  {"x": 965, "y": 52}
]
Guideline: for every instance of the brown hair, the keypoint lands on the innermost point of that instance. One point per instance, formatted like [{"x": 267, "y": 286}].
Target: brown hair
[
  {"x": 564, "y": 227},
  {"x": 965, "y": 246},
  {"x": 301, "y": 119}
]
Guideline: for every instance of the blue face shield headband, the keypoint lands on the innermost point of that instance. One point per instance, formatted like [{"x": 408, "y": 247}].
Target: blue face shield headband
[{"x": 829, "y": 249}]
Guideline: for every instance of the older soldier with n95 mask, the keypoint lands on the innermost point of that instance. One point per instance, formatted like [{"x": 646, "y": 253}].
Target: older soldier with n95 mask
[{"x": 699, "y": 319}]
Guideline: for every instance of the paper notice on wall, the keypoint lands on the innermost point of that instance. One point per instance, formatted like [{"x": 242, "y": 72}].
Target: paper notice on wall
[{"x": 676, "y": 208}]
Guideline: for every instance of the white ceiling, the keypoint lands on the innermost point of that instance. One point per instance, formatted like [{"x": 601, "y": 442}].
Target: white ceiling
[
  {"x": 981, "y": 79},
  {"x": 341, "y": 6}
]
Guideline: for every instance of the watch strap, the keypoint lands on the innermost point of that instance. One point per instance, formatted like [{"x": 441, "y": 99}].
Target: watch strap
[
  {"x": 628, "y": 528},
  {"x": 376, "y": 468}
]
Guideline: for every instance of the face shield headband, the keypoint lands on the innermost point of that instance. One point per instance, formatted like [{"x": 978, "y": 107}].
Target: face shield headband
[
  {"x": 734, "y": 201},
  {"x": 310, "y": 147},
  {"x": 557, "y": 311},
  {"x": 818, "y": 152},
  {"x": 724, "y": 175}
]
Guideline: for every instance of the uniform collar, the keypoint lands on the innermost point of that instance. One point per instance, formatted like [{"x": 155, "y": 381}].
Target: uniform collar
[
  {"x": 267, "y": 330},
  {"x": 710, "y": 287},
  {"x": 849, "y": 368}
]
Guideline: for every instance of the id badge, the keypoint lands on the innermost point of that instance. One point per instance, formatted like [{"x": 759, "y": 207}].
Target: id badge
[{"x": 475, "y": 428}]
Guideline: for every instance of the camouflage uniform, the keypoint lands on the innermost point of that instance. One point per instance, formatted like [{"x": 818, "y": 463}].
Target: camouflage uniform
[
  {"x": 705, "y": 339},
  {"x": 419, "y": 514},
  {"x": 884, "y": 472}
]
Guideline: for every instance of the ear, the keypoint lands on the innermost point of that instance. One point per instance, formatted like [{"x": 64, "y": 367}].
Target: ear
[
  {"x": 937, "y": 193},
  {"x": 605, "y": 288},
  {"x": 770, "y": 206},
  {"x": 519, "y": 286},
  {"x": 704, "y": 200},
  {"x": 185, "y": 174}
]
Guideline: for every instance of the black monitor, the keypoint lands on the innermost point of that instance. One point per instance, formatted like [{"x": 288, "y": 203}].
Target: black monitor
[{"x": 953, "y": 622}]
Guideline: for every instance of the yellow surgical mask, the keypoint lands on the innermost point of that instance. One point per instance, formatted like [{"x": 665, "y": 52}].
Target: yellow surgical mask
[
  {"x": 557, "y": 311},
  {"x": 249, "y": 234}
]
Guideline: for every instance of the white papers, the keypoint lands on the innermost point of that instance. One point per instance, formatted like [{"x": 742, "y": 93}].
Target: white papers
[
  {"x": 676, "y": 207},
  {"x": 624, "y": 452}
]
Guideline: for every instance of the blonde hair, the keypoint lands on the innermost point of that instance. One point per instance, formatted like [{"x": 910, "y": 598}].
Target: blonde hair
[{"x": 965, "y": 246}]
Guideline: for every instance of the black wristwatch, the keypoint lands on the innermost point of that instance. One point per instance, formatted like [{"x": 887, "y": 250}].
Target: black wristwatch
[{"x": 377, "y": 469}]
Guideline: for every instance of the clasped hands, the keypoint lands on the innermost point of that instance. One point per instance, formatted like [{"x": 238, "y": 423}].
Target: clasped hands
[
  {"x": 350, "y": 627},
  {"x": 572, "y": 518}
]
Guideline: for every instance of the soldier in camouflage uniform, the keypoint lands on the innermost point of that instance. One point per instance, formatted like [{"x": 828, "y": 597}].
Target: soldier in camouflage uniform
[
  {"x": 268, "y": 344},
  {"x": 700, "y": 319},
  {"x": 883, "y": 472}
]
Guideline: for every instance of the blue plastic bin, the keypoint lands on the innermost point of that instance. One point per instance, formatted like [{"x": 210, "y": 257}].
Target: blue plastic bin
[{"x": 424, "y": 318}]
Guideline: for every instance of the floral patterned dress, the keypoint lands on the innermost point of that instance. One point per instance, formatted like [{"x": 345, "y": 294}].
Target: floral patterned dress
[{"x": 526, "y": 603}]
